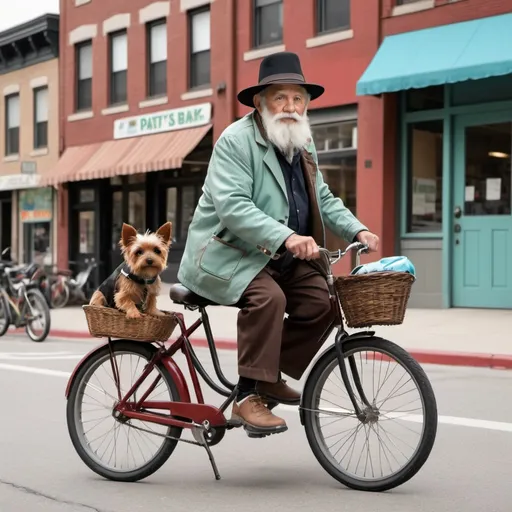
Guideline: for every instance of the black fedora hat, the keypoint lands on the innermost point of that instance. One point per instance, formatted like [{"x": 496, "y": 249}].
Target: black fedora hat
[{"x": 279, "y": 68}]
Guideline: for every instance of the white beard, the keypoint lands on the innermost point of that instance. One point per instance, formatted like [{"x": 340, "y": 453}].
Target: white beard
[{"x": 287, "y": 137}]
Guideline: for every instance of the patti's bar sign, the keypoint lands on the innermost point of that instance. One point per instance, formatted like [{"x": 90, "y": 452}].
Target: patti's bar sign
[{"x": 163, "y": 121}]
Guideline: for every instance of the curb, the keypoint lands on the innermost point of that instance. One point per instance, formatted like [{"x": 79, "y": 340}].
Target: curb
[{"x": 494, "y": 361}]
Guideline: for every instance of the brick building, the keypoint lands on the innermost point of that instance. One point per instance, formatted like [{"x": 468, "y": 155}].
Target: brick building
[
  {"x": 390, "y": 142},
  {"x": 442, "y": 78},
  {"x": 29, "y": 138}
]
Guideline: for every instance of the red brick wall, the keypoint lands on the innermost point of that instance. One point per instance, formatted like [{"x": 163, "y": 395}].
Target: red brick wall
[
  {"x": 336, "y": 66},
  {"x": 443, "y": 14},
  {"x": 100, "y": 127}
]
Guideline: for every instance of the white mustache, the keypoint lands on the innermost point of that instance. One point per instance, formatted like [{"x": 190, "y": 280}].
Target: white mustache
[{"x": 287, "y": 116}]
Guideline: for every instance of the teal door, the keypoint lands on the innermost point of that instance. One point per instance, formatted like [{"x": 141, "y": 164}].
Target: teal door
[{"x": 482, "y": 221}]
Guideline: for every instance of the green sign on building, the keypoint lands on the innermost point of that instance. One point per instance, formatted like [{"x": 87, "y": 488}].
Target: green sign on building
[{"x": 163, "y": 121}]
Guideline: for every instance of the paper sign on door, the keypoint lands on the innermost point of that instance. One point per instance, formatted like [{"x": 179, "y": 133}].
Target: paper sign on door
[{"x": 493, "y": 189}]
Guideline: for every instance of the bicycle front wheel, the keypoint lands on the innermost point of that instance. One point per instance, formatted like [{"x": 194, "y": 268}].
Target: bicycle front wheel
[{"x": 387, "y": 445}]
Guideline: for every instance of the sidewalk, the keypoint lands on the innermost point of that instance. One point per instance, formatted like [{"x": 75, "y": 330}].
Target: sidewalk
[{"x": 466, "y": 337}]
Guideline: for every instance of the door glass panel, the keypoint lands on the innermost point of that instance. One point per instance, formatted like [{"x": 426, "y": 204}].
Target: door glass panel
[
  {"x": 188, "y": 204},
  {"x": 117, "y": 218},
  {"x": 137, "y": 209},
  {"x": 86, "y": 228},
  {"x": 172, "y": 209},
  {"x": 488, "y": 172}
]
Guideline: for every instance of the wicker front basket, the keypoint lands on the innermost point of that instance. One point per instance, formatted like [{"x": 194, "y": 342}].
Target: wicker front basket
[
  {"x": 106, "y": 322},
  {"x": 378, "y": 298}
]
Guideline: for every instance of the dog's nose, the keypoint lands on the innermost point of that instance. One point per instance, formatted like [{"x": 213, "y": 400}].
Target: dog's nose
[{"x": 149, "y": 261}]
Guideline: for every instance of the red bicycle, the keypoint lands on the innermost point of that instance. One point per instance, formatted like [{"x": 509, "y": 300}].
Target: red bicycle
[{"x": 107, "y": 425}]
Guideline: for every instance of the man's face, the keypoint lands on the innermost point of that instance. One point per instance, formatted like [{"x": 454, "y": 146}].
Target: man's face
[{"x": 283, "y": 99}]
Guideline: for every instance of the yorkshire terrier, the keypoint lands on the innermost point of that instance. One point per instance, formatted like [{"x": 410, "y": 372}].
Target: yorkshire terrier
[{"x": 134, "y": 286}]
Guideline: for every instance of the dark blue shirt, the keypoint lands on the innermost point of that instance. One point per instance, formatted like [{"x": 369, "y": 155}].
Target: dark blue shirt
[{"x": 298, "y": 199}]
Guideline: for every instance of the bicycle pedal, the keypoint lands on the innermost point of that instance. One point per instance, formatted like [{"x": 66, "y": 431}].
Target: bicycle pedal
[{"x": 233, "y": 423}]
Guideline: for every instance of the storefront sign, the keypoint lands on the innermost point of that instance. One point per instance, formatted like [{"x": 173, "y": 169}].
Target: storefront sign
[
  {"x": 163, "y": 121},
  {"x": 19, "y": 181},
  {"x": 36, "y": 205}
]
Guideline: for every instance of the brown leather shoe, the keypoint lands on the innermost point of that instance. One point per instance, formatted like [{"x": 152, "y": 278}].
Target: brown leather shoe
[
  {"x": 257, "y": 419},
  {"x": 278, "y": 391}
]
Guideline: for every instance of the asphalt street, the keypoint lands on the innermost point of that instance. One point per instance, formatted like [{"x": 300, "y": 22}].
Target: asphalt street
[{"x": 469, "y": 468}]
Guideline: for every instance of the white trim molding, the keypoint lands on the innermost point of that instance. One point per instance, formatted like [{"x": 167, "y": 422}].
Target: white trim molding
[
  {"x": 83, "y": 33},
  {"x": 11, "y": 89},
  {"x": 11, "y": 158},
  {"x": 421, "y": 5},
  {"x": 333, "y": 37},
  {"x": 153, "y": 102},
  {"x": 259, "y": 53},
  {"x": 195, "y": 95},
  {"x": 39, "y": 152},
  {"x": 154, "y": 11},
  {"x": 117, "y": 109},
  {"x": 78, "y": 3},
  {"x": 40, "y": 81},
  {"x": 79, "y": 116},
  {"x": 187, "y": 5},
  {"x": 116, "y": 22}
]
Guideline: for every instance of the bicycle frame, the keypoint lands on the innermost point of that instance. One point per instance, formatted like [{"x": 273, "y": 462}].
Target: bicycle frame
[{"x": 201, "y": 416}]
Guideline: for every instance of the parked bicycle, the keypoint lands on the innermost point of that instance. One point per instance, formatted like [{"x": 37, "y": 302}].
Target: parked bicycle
[
  {"x": 22, "y": 303},
  {"x": 151, "y": 371}
]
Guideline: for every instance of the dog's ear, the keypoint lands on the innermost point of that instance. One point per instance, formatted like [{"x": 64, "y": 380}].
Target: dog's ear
[
  {"x": 128, "y": 235},
  {"x": 165, "y": 232}
]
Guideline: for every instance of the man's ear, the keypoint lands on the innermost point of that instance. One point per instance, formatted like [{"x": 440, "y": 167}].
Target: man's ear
[{"x": 257, "y": 102}]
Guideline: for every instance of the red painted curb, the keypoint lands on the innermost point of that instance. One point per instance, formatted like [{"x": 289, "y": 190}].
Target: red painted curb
[{"x": 497, "y": 361}]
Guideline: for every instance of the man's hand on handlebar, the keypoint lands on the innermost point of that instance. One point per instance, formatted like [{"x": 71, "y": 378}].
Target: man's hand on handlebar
[
  {"x": 369, "y": 239},
  {"x": 302, "y": 247}
]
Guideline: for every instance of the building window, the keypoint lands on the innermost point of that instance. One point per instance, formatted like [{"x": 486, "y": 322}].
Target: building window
[
  {"x": 336, "y": 146},
  {"x": 199, "y": 49},
  {"x": 12, "y": 124},
  {"x": 84, "y": 76},
  {"x": 118, "y": 45},
  {"x": 424, "y": 176},
  {"x": 41, "y": 117},
  {"x": 157, "y": 58},
  {"x": 268, "y": 22},
  {"x": 332, "y": 15}
]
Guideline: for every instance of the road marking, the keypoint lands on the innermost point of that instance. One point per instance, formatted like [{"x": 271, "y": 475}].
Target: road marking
[
  {"x": 500, "y": 426},
  {"x": 31, "y": 369}
]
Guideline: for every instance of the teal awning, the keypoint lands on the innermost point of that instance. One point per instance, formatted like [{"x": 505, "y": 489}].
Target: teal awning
[{"x": 441, "y": 55}]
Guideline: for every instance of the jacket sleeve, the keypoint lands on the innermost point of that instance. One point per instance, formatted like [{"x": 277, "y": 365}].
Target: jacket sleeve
[
  {"x": 337, "y": 217},
  {"x": 230, "y": 181}
]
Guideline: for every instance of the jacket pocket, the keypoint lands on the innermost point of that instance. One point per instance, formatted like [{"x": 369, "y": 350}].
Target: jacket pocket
[{"x": 221, "y": 259}]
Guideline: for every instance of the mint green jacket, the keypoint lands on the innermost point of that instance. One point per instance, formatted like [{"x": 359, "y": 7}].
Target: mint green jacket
[{"x": 241, "y": 218}]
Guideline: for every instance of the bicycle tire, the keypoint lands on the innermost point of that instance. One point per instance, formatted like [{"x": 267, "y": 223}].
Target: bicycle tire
[
  {"x": 4, "y": 304},
  {"x": 35, "y": 292},
  {"x": 425, "y": 388},
  {"x": 62, "y": 299},
  {"x": 146, "y": 351}
]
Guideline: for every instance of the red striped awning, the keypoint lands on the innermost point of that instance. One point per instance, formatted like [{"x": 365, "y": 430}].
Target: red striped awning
[{"x": 125, "y": 156}]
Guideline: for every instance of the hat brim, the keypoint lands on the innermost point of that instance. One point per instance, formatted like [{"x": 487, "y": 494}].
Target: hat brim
[{"x": 246, "y": 96}]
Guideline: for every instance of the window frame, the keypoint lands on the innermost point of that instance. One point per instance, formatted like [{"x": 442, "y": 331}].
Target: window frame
[
  {"x": 40, "y": 144},
  {"x": 16, "y": 129},
  {"x": 150, "y": 92},
  {"x": 257, "y": 5},
  {"x": 80, "y": 84},
  {"x": 112, "y": 98},
  {"x": 192, "y": 85},
  {"x": 320, "y": 18}
]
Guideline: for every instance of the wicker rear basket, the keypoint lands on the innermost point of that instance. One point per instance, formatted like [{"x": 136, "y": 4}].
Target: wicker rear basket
[
  {"x": 378, "y": 298},
  {"x": 106, "y": 322}
]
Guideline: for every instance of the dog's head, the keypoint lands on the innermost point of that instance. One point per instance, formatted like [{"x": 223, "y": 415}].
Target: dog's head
[{"x": 146, "y": 254}]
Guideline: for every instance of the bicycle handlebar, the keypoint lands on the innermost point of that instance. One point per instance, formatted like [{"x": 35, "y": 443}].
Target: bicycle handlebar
[{"x": 335, "y": 256}]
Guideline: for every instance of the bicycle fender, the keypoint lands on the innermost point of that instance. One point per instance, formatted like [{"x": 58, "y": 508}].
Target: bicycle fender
[
  {"x": 326, "y": 354},
  {"x": 168, "y": 362}
]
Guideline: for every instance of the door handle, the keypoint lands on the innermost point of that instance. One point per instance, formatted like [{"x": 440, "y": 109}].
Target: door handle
[
  {"x": 457, "y": 228},
  {"x": 458, "y": 212}
]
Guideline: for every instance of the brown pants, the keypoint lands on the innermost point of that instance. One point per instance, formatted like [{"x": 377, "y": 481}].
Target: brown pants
[{"x": 266, "y": 344}]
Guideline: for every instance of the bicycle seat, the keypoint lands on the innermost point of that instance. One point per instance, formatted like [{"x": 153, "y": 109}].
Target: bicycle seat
[{"x": 181, "y": 295}]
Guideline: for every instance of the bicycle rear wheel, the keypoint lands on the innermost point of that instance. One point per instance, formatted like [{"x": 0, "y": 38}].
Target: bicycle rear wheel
[
  {"x": 384, "y": 370},
  {"x": 114, "y": 447}
]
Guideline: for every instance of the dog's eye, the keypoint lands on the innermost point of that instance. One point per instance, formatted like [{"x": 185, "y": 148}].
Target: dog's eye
[
  {"x": 157, "y": 250},
  {"x": 139, "y": 252}
]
